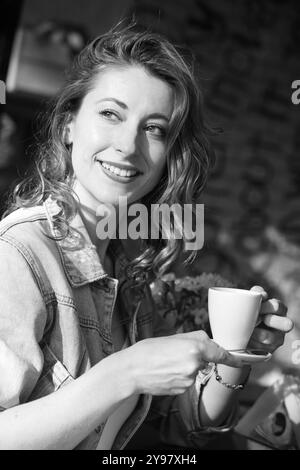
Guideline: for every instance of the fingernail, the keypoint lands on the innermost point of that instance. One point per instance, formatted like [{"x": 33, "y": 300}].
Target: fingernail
[{"x": 288, "y": 324}]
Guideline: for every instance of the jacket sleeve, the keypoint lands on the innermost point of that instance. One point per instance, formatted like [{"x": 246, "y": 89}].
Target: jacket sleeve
[
  {"x": 176, "y": 419},
  {"x": 22, "y": 323}
]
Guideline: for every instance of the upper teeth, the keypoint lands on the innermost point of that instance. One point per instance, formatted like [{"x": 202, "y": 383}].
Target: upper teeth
[{"x": 118, "y": 171}]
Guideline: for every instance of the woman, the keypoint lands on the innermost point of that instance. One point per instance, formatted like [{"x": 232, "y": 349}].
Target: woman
[{"x": 77, "y": 318}]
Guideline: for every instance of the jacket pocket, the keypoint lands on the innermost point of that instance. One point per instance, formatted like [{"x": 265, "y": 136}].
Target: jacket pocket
[{"x": 54, "y": 375}]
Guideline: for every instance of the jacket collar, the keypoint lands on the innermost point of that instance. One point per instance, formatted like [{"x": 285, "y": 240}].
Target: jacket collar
[{"x": 79, "y": 256}]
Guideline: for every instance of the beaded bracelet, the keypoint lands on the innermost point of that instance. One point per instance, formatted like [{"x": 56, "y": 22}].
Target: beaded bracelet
[{"x": 231, "y": 386}]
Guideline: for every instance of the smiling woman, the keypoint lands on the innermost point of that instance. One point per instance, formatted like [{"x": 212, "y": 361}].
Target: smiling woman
[
  {"x": 84, "y": 355},
  {"x": 120, "y": 138},
  {"x": 131, "y": 102}
]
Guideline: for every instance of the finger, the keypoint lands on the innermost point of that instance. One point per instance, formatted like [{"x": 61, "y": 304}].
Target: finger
[
  {"x": 219, "y": 355},
  {"x": 284, "y": 324},
  {"x": 264, "y": 347},
  {"x": 230, "y": 360},
  {"x": 274, "y": 306},
  {"x": 265, "y": 336},
  {"x": 261, "y": 290}
]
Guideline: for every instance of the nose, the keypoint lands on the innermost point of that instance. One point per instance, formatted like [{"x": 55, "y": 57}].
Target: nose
[{"x": 126, "y": 139}]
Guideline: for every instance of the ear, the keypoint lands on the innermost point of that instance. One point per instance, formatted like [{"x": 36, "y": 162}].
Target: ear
[{"x": 68, "y": 131}]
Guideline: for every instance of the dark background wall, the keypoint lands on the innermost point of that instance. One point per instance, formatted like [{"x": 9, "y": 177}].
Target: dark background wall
[
  {"x": 248, "y": 53},
  {"x": 96, "y": 16}
]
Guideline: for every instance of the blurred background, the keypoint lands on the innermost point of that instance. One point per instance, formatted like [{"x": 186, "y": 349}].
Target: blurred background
[{"x": 249, "y": 55}]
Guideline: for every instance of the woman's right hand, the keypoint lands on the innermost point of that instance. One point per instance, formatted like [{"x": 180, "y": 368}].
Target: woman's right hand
[{"x": 169, "y": 365}]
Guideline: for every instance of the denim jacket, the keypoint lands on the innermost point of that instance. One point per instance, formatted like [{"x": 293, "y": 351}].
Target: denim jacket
[{"x": 56, "y": 308}]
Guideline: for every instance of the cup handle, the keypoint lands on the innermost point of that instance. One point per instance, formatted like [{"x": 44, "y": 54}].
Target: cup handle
[{"x": 259, "y": 319}]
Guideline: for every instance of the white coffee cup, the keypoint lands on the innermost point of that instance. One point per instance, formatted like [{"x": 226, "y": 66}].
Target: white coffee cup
[{"x": 233, "y": 314}]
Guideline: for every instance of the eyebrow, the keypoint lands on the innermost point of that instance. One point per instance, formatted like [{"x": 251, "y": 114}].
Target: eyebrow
[
  {"x": 118, "y": 102},
  {"x": 124, "y": 106}
]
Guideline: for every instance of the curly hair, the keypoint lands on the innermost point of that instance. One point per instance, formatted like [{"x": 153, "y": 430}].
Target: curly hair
[{"x": 189, "y": 153}]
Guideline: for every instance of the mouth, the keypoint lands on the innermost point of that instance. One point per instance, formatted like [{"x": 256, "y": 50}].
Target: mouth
[{"x": 119, "y": 172}]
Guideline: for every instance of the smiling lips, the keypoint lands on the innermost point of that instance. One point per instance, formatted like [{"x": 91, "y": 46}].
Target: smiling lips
[{"x": 118, "y": 170}]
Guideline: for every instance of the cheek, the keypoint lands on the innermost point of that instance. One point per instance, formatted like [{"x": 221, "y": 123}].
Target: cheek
[
  {"x": 88, "y": 135},
  {"x": 84, "y": 150},
  {"x": 155, "y": 178},
  {"x": 159, "y": 159},
  {"x": 161, "y": 166},
  {"x": 161, "y": 170}
]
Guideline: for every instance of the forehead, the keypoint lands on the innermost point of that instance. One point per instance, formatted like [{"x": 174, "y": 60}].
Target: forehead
[{"x": 134, "y": 86}]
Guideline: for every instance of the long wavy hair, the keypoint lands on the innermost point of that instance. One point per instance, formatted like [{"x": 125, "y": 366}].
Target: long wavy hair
[{"x": 189, "y": 152}]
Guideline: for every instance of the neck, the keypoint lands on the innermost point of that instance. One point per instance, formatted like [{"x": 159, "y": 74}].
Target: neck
[
  {"x": 87, "y": 208},
  {"x": 94, "y": 218},
  {"x": 90, "y": 221}
]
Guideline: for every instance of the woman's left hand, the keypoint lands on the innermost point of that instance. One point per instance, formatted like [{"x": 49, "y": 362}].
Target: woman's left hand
[{"x": 270, "y": 332}]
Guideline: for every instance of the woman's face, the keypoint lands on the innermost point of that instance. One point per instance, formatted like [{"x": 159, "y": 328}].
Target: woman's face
[{"x": 118, "y": 136}]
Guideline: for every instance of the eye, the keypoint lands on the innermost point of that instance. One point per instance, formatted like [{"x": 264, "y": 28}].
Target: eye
[
  {"x": 156, "y": 131},
  {"x": 110, "y": 115}
]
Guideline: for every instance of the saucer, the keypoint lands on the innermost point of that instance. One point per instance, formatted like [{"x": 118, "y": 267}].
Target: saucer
[{"x": 251, "y": 356}]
